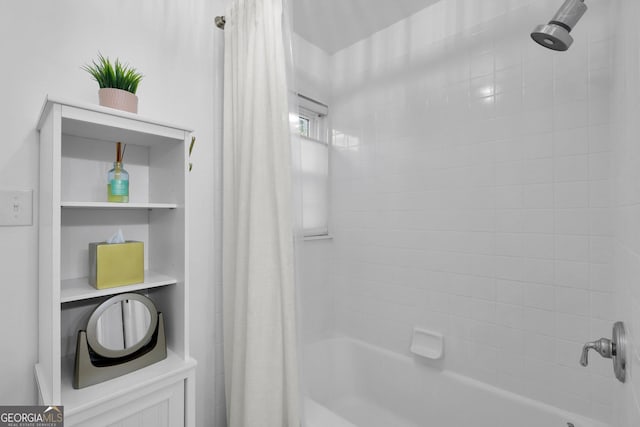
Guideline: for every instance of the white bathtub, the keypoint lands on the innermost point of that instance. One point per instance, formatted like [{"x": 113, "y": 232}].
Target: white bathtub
[{"x": 353, "y": 384}]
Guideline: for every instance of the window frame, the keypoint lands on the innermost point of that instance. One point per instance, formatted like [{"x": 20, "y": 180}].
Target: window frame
[{"x": 316, "y": 115}]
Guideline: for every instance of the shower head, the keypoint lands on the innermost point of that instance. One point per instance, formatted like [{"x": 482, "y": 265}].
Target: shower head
[{"x": 555, "y": 34}]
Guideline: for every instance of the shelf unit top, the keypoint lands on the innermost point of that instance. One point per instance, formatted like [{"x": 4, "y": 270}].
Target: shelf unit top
[
  {"x": 76, "y": 401},
  {"x": 103, "y": 123}
]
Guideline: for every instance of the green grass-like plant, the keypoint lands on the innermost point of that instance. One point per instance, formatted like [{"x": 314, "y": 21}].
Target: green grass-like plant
[{"x": 114, "y": 74}]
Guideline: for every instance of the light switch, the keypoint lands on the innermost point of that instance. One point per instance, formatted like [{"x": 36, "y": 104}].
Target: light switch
[{"x": 16, "y": 207}]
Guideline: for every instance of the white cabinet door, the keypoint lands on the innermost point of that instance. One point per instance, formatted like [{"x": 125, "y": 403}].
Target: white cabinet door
[{"x": 160, "y": 408}]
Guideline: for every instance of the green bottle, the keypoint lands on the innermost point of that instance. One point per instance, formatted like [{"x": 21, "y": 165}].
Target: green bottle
[{"x": 118, "y": 180}]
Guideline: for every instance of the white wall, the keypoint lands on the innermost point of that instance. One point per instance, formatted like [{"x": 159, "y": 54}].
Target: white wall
[
  {"x": 312, "y": 67},
  {"x": 176, "y": 46},
  {"x": 471, "y": 195},
  {"x": 626, "y": 176}
]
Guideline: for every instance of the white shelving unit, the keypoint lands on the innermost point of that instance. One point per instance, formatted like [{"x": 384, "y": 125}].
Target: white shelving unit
[{"x": 77, "y": 148}]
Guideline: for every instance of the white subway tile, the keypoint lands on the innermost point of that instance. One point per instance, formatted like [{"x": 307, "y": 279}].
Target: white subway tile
[
  {"x": 572, "y": 301},
  {"x": 540, "y": 347},
  {"x": 536, "y": 72},
  {"x": 571, "y": 195},
  {"x": 601, "y": 277},
  {"x": 481, "y": 65},
  {"x": 539, "y": 321},
  {"x": 601, "y": 249},
  {"x": 572, "y": 248},
  {"x": 599, "y": 110},
  {"x": 600, "y": 194},
  {"x": 568, "y": 115},
  {"x": 572, "y": 274},
  {"x": 537, "y": 145},
  {"x": 538, "y": 221},
  {"x": 538, "y": 245},
  {"x": 599, "y": 138},
  {"x": 509, "y": 292},
  {"x": 538, "y": 171},
  {"x": 538, "y": 196},
  {"x": 571, "y": 168},
  {"x": 539, "y": 296},
  {"x": 483, "y": 265},
  {"x": 481, "y": 87},
  {"x": 508, "y": 59},
  {"x": 510, "y": 315},
  {"x": 508, "y": 79},
  {"x": 572, "y": 327},
  {"x": 538, "y": 121},
  {"x": 538, "y": 270},
  {"x": 508, "y": 149},
  {"x": 509, "y": 104},
  {"x": 572, "y": 88},
  {"x": 508, "y": 173},
  {"x": 508, "y": 220},
  {"x": 536, "y": 95},
  {"x": 600, "y": 222},
  {"x": 509, "y": 244},
  {"x": 571, "y": 142},
  {"x": 599, "y": 166},
  {"x": 602, "y": 306},
  {"x": 509, "y": 268},
  {"x": 572, "y": 221},
  {"x": 509, "y": 197}
]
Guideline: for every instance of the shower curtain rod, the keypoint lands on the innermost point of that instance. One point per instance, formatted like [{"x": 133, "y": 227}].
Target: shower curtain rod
[{"x": 311, "y": 100}]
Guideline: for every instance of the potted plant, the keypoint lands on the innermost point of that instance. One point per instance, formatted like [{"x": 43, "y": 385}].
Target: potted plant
[{"x": 118, "y": 83}]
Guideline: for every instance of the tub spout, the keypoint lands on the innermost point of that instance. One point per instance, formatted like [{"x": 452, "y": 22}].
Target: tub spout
[{"x": 602, "y": 346}]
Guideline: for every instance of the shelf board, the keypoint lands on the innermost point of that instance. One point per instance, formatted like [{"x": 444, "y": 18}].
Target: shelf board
[
  {"x": 76, "y": 401},
  {"x": 80, "y": 289},
  {"x": 97, "y": 122},
  {"x": 111, "y": 205}
]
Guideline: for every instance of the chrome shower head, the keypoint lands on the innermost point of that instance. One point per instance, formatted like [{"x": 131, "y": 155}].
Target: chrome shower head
[{"x": 555, "y": 34}]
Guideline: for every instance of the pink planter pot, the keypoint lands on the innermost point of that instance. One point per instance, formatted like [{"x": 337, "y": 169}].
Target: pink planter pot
[{"x": 118, "y": 99}]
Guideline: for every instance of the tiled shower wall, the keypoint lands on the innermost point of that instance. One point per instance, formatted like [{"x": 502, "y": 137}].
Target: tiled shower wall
[
  {"x": 626, "y": 176},
  {"x": 471, "y": 195}
]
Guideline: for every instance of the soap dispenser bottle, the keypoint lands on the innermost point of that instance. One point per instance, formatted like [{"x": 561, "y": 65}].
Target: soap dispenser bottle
[{"x": 118, "y": 179}]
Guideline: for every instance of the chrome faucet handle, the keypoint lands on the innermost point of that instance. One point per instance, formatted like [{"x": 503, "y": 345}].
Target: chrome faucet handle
[
  {"x": 615, "y": 349},
  {"x": 603, "y": 346}
]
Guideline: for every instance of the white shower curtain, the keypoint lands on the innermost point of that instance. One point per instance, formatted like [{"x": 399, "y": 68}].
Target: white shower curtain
[{"x": 260, "y": 347}]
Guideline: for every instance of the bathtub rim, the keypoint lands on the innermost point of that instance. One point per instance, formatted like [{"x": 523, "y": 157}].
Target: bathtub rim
[{"x": 576, "y": 418}]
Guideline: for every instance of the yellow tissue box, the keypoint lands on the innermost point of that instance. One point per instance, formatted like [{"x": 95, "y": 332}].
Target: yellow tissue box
[{"x": 116, "y": 264}]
